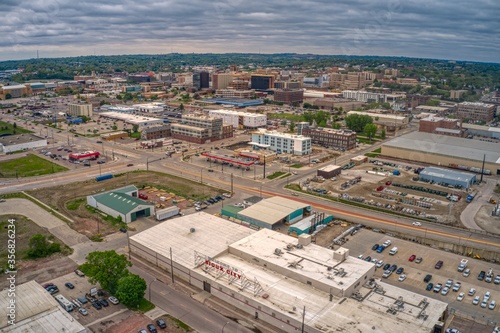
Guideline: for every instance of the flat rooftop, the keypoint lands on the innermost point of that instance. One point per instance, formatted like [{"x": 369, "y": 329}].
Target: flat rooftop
[
  {"x": 263, "y": 131},
  {"x": 211, "y": 237},
  {"x": 330, "y": 167},
  {"x": 129, "y": 118},
  {"x": 238, "y": 113},
  {"x": 15, "y": 139},
  {"x": 37, "y": 312},
  {"x": 447, "y": 146},
  {"x": 272, "y": 210}
]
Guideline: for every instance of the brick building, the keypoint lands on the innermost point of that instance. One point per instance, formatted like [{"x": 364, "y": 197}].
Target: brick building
[
  {"x": 439, "y": 125},
  {"x": 476, "y": 111},
  {"x": 289, "y": 96},
  {"x": 156, "y": 132},
  {"x": 201, "y": 129},
  {"x": 342, "y": 139}
]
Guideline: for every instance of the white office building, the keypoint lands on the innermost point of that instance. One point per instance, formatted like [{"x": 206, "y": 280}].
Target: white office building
[
  {"x": 370, "y": 97},
  {"x": 238, "y": 119},
  {"x": 281, "y": 142},
  {"x": 150, "y": 107}
]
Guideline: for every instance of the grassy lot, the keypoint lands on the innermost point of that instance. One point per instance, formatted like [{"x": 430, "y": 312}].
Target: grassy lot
[
  {"x": 28, "y": 166},
  {"x": 25, "y": 229},
  {"x": 286, "y": 116},
  {"x": 278, "y": 174},
  {"x": 6, "y": 129},
  {"x": 378, "y": 150},
  {"x": 296, "y": 165},
  {"x": 145, "y": 305},
  {"x": 371, "y": 155}
]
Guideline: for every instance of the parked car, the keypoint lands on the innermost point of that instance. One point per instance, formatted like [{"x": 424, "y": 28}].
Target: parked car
[
  {"x": 412, "y": 257},
  {"x": 484, "y": 303},
  {"x": 460, "y": 297},
  {"x": 400, "y": 270},
  {"x": 379, "y": 263},
  {"x": 380, "y": 249},
  {"x": 69, "y": 285},
  {"x": 368, "y": 258},
  {"x": 497, "y": 279},
  {"x": 492, "y": 305},
  {"x": 79, "y": 273},
  {"x": 103, "y": 302},
  {"x": 130, "y": 164},
  {"x": 113, "y": 300},
  {"x": 487, "y": 295},
  {"x": 439, "y": 264},
  {"x": 161, "y": 323},
  {"x": 418, "y": 260},
  {"x": 402, "y": 277},
  {"x": 96, "y": 305},
  {"x": 457, "y": 286},
  {"x": 82, "y": 299},
  {"x": 387, "y": 273},
  {"x": 466, "y": 273},
  {"x": 386, "y": 267},
  {"x": 471, "y": 292},
  {"x": 429, "y": 286},
  {"x": 481, "y": 275},
  {"x": 393, "y": 268},
  {"x": 375, "y": 247},
  {"x": 475, "y": 301},
  {"x": 437, "y": 287},
  {"x": 445, "y": 291},
  {"x": 152, "y": 328},
  {"x": 427, "y": 278},
  {"x": 83, "y": 311},
  {"x": 449, "y": 283}
]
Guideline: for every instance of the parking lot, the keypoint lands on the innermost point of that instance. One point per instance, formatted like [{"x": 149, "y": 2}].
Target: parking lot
[
  {"x": 362, "y": 242},
  {"x": 81, "y": 287}
]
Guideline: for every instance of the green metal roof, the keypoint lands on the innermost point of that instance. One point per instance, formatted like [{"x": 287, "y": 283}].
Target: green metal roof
[
  {"x": 231, "y": 209},
  {"x": 120, "y": 202},
  {"x": 125, "y": 189}
]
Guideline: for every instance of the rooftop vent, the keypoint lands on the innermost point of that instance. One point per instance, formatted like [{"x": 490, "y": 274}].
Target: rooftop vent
[
  {"x": 192, "y": 230},
  {"x": 277, "y": 251}
]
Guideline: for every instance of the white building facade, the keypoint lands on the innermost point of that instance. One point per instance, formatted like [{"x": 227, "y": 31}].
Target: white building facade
[
  {"x": 282, "y": 142},
  {"x": 240, "y": 120}
]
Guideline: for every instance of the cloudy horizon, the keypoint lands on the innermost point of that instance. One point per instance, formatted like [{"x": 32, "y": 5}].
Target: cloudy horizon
[{"x": 419, "y": 29}]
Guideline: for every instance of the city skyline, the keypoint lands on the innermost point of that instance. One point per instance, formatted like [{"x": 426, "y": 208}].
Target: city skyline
[{"x": 424, "y": 29}]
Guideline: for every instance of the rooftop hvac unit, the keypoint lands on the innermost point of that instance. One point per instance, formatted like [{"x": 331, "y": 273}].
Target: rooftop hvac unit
[
  {"x": 300, "y": 246},
  {"x": 289, "y": 246},
  {"x": 277, "y": 251},
  {"x": 192, "y": 230}
]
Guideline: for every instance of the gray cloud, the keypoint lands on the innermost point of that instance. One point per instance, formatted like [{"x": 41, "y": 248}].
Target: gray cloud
[{"x": 434, "y": 29}]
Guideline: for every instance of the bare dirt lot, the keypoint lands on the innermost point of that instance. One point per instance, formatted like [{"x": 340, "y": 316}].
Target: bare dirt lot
[{"x": 70, "y": 199}]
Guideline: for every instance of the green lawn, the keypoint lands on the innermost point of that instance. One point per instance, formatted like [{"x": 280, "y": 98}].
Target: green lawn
[
  {"x": 296, "y": 165},
  {"x": 145, "y": 305},
  {"x": 286, "y": 116},
  {"x": 278, "y": 174},
  {"x": 6, "y": 128},
  {"x": 28, "y": 166}
]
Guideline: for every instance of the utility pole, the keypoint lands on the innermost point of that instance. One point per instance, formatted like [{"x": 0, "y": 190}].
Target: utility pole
[
  {"x": 201, "y": 176},
  {"x": 231, "y": 184},
  {"x": 303, "y": 318},
  {"x": 264, "y": 175},
  {"x": 171, "y": 266}
]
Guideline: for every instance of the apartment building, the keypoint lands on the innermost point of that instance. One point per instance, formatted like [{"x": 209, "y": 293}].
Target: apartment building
[
  {"x": 281, "y": 142},
  {"x": 76, "y": 110},
  {"x": 329, "y": 137},
  {"x": 476, "y": 111},
  {"x": 201, "y": 129},
  {"x": 369, "y": 97},
  {"x": 289, "y": 96},
  {"x": 15, "y": 91},
  {"x": 156, "y": 132},
  {"x": 221, "y": 80},
  {"x": 240, "y": 120},
  {"x": 457, "y": 94}
]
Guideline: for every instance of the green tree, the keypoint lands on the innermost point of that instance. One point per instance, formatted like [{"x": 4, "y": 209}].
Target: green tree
[
  {"x": 432, "y": 102},
  {"x": 131, "y": 289},
  {"x": 8, "y": 96},
  {"x": 14, "y": 125},
  {"x": 107, "y": 268},
  {"x": 291, "y": 127},
  {"x": 40, "y": 247},
  {"x": 135, "y": 128},
  {"x": 357, "y": 122},
  {"x": 181, "y": 107},
  {"x": 382, "y": 133},
  {"x": 370, "y": 130},
  {"x": 114, "y": 128},
  {"x": 336, "y": 126}
]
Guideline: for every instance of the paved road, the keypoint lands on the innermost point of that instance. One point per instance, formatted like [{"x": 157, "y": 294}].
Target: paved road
[
  {"x": 468, "y": 215},
  {"x": 185, "y": 308}
]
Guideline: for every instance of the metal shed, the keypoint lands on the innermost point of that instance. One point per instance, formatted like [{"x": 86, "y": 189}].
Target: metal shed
[{"x": 451, "y": 177}]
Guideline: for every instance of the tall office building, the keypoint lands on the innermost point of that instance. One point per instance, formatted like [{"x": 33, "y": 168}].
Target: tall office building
[
  {"x": 221, "y": 80},
  {"x": 204, "y": 80},
  {"x": 261, "y": 82}
]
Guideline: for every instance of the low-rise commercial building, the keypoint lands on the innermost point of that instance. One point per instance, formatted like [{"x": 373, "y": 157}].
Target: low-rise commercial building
[
  {"x": 451, "y": 177},
  {"x": 150, "y": 107},
  {"x": 329, "y": 171},
  {"x": 342, "y": 138},
  {"x": 33, "y": 309},
  {"x": 234, "y": 93},
  {"x": 18, "y": 142},
  {"x": 156, "y": 132},
  {"x": 476, "y": 111},
  {"x": 281, "y": 142},
  {"x": 201, "y": 129},
  {"x": 289, "y": 96},
  {"x": 285, "y": 281},
  {"x": 138, "y": 120},
  {"x": 240, "y": 120},
  {"x": 439, "y": 125}
]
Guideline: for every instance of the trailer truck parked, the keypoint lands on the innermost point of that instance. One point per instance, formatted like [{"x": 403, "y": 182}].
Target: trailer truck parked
[
  {"x": 64, "y": 302},
  {"x": 163, "y": 214}
]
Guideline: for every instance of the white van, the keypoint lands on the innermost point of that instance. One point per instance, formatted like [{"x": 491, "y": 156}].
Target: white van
[{"x": 393, "y": 251}]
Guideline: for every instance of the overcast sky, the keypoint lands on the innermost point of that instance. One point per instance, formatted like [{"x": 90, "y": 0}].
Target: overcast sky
[{"x": 446, "y": 29}]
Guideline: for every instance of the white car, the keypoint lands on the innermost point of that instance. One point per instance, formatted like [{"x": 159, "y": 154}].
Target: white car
[
  {"x": 460, "y": 297},
  {"x": 487, "y": 295},
  {"x": 445, "y": 291},
  {"x": 402, "y": 277},
  {"x": 484, "y": 303},
  {"x": 492, "y": 305},
  {"x": 113, "y": 300},
  {"x": 466, "y": 272},
  {"x": 417, "y": 224},
  {"x": 360, "y": 257},
  {"x": 475, "y": 301},
  {"x": 472, "y": 291},
  {"x": 380, "y": 263}
]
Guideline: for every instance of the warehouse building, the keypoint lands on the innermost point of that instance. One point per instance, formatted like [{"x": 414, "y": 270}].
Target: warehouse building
[
  {"x": 36, "y": 311},
  {"x": 18, "y": 142},
  {"x": 310, "y": 224},
  {"x": 444, "y": 151},
  {"x": 121, "y": 202},
  {"x": 269, "y": 213},
  {"x": 329, "y": 171},
  {"x": 287, "y": 282},
  {"x": 452, "y": 177},
  {"x": 140, "y": 121}
]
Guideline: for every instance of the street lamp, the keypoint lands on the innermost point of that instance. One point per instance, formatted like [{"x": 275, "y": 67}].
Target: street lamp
[
  {"x": 224, "y": 326},
  {"x": 149, "y": 287},
  {"x": 201, "y": 176}
]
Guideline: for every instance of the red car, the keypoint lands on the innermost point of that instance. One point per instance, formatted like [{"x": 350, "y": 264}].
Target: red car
[{"x": 412, "y": 257}]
